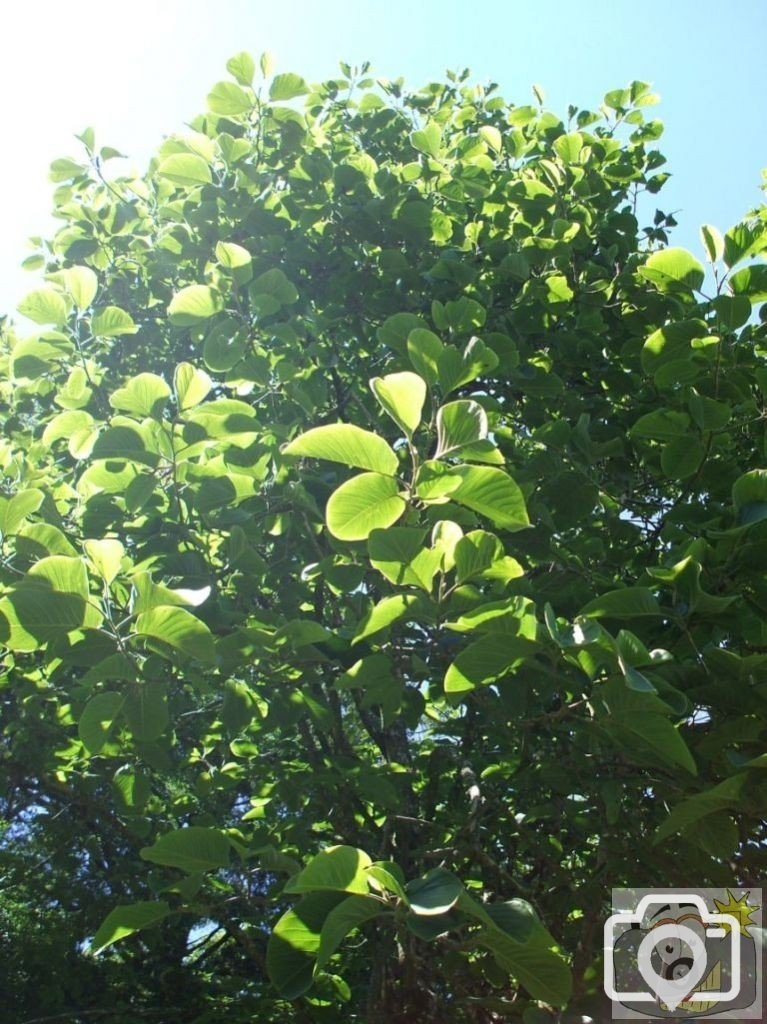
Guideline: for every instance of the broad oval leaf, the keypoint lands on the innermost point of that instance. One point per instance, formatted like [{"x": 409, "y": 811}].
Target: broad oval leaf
[
  {"x": 44, "y": 306},
  {"x": 179, "y": 629},
  {"x": 193, "y": 304},
  {"x": 402, "y": 396},
  {"x": 459, "y": 423},
  {"x": 112, "y": 322},
  {"x": 627, "y": 603},
  {"x": 191, "y": 849},
  {"x": 365, "y": 503},
  {"x": 338, "y": 868},
  {"x": 342, "y": 919},
  {"x": 673, "y": 268},
  {"x": 287, "y": 86},
  {"x": 126, "y": 919},
  {"x": 231, "y": 255},
  {"x": 105, "y": 556},
  {"x": 428, "y": 140},
  {"x": 97, "y": 719},
  {"x": 82, "y": 284},
  {"x": 242, "y": 67},
  {"x": 191, "y": 385},
  {"x": 294, "y": 942},
  {"x": 491, "y": 493},
  {"x": 185, "y": 169},
  {"x": 229, "y": 99},
  {"x": 347, "y": 444},
  {"x": 143, "y": 395},
  {"x": 436, "y": 893},
  {"x": 383, "y": 614}
]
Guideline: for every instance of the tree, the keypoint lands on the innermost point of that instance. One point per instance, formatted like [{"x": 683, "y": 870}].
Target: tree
[{"x": 383, "y": 545}]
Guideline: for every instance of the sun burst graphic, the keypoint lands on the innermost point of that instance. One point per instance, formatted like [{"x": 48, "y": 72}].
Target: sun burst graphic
[{"x": 739, "y": 909}]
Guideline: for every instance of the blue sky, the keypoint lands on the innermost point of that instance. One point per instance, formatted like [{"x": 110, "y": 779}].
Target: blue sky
[{"x": 138, "y": 71}]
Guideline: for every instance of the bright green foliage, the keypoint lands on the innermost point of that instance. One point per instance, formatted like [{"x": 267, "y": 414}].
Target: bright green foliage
[{"x": 382, "y": 563}]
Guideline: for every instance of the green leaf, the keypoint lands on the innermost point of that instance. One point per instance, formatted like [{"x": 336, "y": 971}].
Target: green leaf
[
  {"x": 275, "y": 284},
  {"x": 627, "y": 603},
  {"x": 82, "y": 284},
  {"x": 97, "y": 719},
  {"x": 458, "y": 424},
  {"x": 424, "y": 350},
  {"x": 491, "y": 493},
  {"x": 229, "y": 100},
  {"x": 713, "y": 242},
  {"x": 186, "y": 169},
  {"x": 383, "y": 614},
  {"x": 242, "y": 67},
  {"x": 637, "y": 722},
  {"x": 559, "y": 291},
  {"x": 402, "y": 396},
  {"x": 295, "y": 941},
  {"x": 287, "y": 87},
  {"x": 365, "y": 503},
  {"x": 751, "y": 281},
  {"x": 428, "y": 140},
  {"x": 749, "y": 238},
  {"x": 749, "y": 496},
  {"x": 232, "y": 256},
  {"x": 191, "y": 386},
  {"x": 568, "y": 147},
  {"x": 193, "y": 304},
  {"x": 147, "y": 711},
  {"x": 44, "y": 306},
  {"x": 126, "y": 919},
  {"x": 191, "y": 849},
  {"x": 112, "y": 322},
  {"x": 726, "y": 795},
  {"x": 49, "y": 602},
  {"x": 662, "y": 425},
  {"x": 179, "y": 629},
  {"x": 511, "y": 617},
  {"x": 240, "y": 706},
  {"x": 64, "y": 169},
  {"x": 342, "y": 919},
  {"x": 523, "y": 947},
  {"x": 673, "y": 268},
  {"x": 347, "y": 444},
  {"x": 391, "y": 551},
  {"x": 486, "y": 660},
  {"x": 388, "y": 877},
  {"x": 266, "y": 63},
  {"x": 458, "y": 368},
  {"x": 492, "y": 137},
  {"x": 732, "y": 311},
  {"x": 225, "y": 345},
  {"x": 475, "y": 553},
  {"x": 105, "y": 556},
  {"x": 143, "y": 395},
  {"x": 133, "y": 788},
  {"x": 671, "y": 343},
  {"x": 338, "y": 868},
  {"x": 13, "y": 511},
  {"x": 681, "y": 458},
  {"x": 718, "y": 834},
  {"x": 436, "y": 893}
]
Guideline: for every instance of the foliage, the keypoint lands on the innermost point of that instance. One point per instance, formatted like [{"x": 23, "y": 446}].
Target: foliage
[{"x": 382, "y": 558}]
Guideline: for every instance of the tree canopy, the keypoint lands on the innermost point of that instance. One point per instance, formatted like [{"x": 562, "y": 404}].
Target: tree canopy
[{"x": 384, "y": 534}]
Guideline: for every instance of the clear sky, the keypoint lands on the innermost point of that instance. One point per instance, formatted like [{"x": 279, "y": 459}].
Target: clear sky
[{"x": 136, "y": 71}]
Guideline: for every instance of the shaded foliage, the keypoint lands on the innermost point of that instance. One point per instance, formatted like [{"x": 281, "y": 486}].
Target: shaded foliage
[{"x": 381, "y": 557}]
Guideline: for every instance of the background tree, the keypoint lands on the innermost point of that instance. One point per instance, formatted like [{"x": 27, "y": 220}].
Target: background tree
[{"x": 382, "y": 552}]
